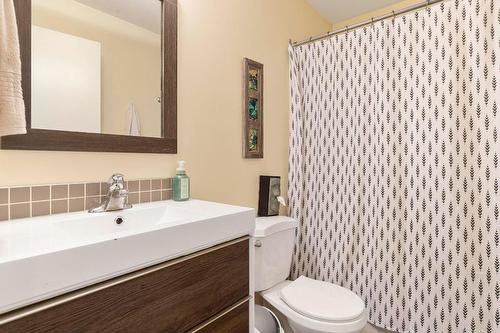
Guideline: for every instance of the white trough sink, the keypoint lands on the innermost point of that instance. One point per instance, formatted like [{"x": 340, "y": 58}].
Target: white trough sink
[{"x": 44, "y": 257}]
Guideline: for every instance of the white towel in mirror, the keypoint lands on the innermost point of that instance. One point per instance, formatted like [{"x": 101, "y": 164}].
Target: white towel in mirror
[
  {"x": 12, "y": 117},
  {"x": 134, "y": 124}
]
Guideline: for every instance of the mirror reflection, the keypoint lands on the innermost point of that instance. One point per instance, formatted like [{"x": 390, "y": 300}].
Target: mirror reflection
[{"x": 96, "y": 66}]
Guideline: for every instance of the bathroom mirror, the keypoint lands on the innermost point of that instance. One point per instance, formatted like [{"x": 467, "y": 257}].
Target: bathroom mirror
[
  {"x": 98, "y": 75},
  {"x": 96, "y": 66}
]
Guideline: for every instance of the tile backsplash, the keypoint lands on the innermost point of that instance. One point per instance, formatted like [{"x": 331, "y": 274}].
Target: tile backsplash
[{"x": 38, "y": 200}]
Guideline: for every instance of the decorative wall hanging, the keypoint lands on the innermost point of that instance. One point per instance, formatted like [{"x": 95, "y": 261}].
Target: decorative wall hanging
[{"x": 253, "y": 133}]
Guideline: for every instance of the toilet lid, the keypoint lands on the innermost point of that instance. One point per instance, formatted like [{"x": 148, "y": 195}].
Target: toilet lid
[{"x": 322, "y": 300}]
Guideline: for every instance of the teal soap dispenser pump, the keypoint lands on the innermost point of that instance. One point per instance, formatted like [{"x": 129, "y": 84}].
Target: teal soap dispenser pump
[{"x": 180, "y": 183}]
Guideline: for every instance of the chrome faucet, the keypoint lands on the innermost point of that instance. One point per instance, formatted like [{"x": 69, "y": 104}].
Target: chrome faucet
[{"x": 117, "y": 196}]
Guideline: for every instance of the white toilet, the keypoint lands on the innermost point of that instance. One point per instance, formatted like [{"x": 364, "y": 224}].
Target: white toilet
[{"x": 310, "y": 306}]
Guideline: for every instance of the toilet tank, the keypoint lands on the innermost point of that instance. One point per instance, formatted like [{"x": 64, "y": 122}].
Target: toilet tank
[{"x": 274, "y": 238}]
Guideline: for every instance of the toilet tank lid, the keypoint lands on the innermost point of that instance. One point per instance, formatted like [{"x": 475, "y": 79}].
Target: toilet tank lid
[{"x": 265, "y": 226}]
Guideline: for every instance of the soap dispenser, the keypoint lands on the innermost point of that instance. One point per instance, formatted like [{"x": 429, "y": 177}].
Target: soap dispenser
[{"x": 180, "y": 183}]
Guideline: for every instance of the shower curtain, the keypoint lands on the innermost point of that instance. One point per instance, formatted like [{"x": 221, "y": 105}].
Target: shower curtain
[{"x": 394, "y": 166}]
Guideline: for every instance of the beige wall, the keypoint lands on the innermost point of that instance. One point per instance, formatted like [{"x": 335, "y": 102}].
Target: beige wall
[
  {"x": 214, "y": 36},
  {"x": 130, "y": 61},
  {"x": 375, "y": 13}
]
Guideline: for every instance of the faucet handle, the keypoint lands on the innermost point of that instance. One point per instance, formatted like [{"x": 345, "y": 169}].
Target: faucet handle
[{"x": 116, "y": 182}]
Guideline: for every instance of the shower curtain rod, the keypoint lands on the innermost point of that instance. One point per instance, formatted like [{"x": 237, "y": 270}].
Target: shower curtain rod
[{"x": 347, "y": 28}]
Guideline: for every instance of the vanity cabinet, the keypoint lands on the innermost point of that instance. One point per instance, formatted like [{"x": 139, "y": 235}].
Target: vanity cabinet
[{"x": 207, "y": 291}]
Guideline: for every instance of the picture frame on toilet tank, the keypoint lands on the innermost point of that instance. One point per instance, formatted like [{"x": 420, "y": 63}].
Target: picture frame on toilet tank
[{"x": 269, "y": 191}]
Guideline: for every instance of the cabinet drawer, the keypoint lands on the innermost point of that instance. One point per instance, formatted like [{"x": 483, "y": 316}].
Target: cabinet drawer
[
  {"x": 171, "y": 297},
  {"x": 234, "y": 321}
]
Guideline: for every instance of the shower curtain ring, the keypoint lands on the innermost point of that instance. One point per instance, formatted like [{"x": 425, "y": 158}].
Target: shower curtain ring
[{"x": 393, "y": 15}]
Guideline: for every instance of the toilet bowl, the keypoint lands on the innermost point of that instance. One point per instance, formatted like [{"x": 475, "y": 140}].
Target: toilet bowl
[
  {"x": 328, "y": 314},
  {"x": 310, "y": 306}
]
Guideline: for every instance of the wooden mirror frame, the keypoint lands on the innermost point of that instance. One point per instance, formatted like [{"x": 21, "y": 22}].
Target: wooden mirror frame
[{"x": 53, "y": 140}]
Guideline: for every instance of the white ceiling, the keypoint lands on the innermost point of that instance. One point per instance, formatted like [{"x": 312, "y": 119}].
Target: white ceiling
[
  {"x": 339, "y": 10},
  {"x": 144, "y": 13}
]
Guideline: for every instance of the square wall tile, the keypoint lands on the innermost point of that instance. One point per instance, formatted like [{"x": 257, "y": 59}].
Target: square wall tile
[
  {"x": 19, "y": 211},
  {"x": 104, "y": 188},
  {"x": 39, "y": 193},
  {"x": 166, "y": 183},
  {"x": 145, "y": 185},
  {"x": 59, "y": 206},
  {"x": 166, "y": 194},
  {"x": 20, "y": 194},
  {"x": 156, "y": 196},
  {"x": 40, "y": 208},
  {"x": 133, "y": 186},
  {"x": 133, "y": 198},
  {"x": 59, "y": 191},
  {"x": 145, "y": 197},
  {"x": 76, "y": 205},
  {"x": 4, "y": 213},
  {"x": 92, "y": 189},
  {"x": 92, "y": 202},
  {"x": 76, "y": 190},
  {"x": 4, "y": 196},
  {"x": 156, "y": 184}
]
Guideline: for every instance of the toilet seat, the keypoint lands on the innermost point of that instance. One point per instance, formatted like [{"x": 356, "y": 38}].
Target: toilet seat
[
  {"x": 322, "y": 300},
  {"x": 273, "y": 297}
]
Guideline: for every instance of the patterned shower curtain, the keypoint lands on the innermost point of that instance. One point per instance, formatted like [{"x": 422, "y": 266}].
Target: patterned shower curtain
[{"x": 394, "y": 166}]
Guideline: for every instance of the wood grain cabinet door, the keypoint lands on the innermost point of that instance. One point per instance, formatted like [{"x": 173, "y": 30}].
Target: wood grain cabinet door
[{"x": 175, "y": 298}]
